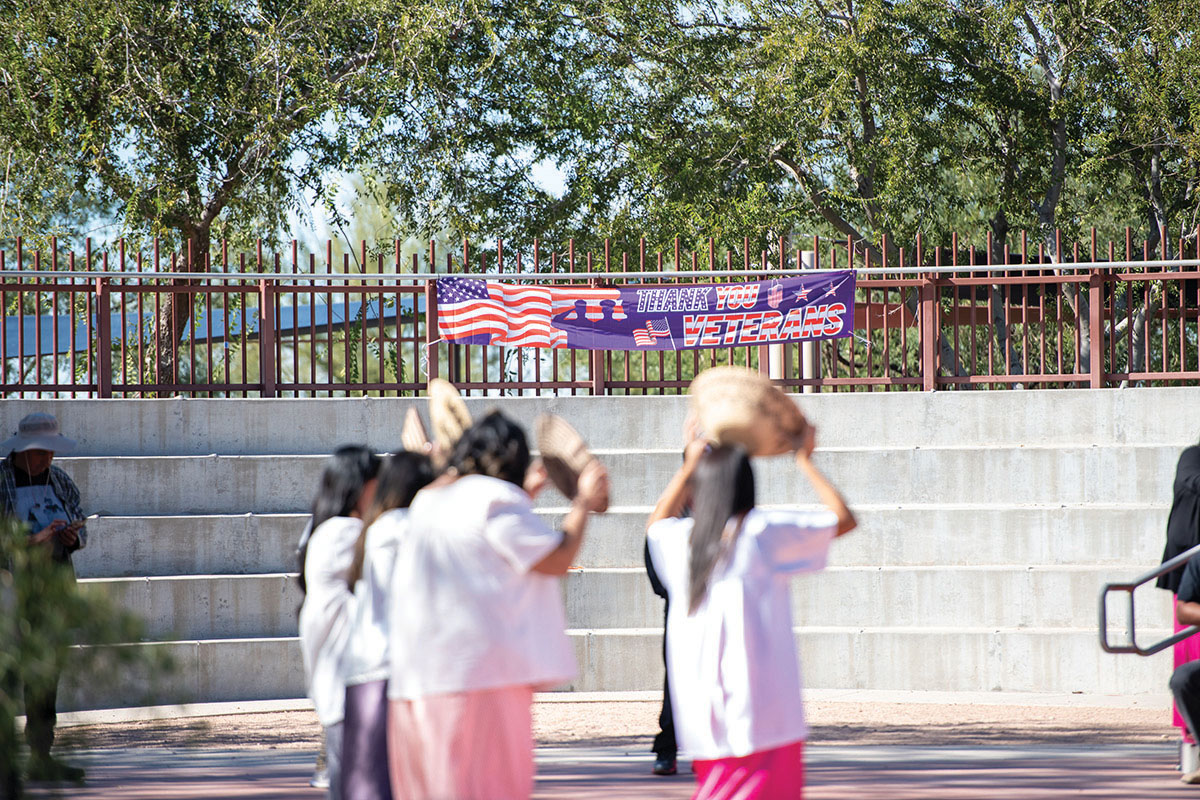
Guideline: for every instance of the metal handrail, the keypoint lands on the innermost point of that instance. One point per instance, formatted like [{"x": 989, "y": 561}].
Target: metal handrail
[
  {"x": 370, "y": 277},
  {"x": 1129, "y": 587}
]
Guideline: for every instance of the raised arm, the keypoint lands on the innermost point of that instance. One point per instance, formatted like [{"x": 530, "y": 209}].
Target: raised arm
[
  {"x": 593, "y": 488},
  {"x": 826, "y": 493},
  {"x": 674, "y": 497}
]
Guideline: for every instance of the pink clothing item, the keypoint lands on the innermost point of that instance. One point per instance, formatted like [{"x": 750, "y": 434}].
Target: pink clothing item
[
  {"x": 463, "y": 746},
  {"x": 1185, "y": 652},
  {"x": 775, "y": 774}
]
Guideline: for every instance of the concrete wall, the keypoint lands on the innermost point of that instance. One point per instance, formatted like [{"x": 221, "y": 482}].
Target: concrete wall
[{"x": 989, "y": 521}]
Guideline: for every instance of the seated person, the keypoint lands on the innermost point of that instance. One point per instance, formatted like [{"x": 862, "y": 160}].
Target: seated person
[{"x": 1185, "y": 681}]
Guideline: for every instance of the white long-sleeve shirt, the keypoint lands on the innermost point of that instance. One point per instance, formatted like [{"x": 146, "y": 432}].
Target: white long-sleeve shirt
[
  {"x": 367, "y": 653},
  {"x": 326, "y": 615},
  {"x": 735, "y": 675}
]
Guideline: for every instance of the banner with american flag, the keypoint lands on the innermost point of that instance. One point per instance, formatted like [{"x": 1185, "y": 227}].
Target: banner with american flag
[{"x": 490, "y": 312}]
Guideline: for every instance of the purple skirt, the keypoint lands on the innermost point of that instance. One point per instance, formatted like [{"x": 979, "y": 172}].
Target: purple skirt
[{"x": 364, "y": 750}]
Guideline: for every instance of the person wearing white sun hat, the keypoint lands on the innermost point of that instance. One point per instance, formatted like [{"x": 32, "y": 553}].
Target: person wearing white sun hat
[{"x": 46, "y": 500}]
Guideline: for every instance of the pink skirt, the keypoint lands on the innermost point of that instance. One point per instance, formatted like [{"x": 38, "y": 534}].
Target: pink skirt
[
  {"x": 1186, "y": 651},
  {"x": 462, "y": 746},
  {"x": 776, "y": 774}
]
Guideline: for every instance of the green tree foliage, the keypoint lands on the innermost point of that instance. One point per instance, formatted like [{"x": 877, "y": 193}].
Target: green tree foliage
[
  {"x": 44, "y": 614},
  {"x": 855, "y": 117}
]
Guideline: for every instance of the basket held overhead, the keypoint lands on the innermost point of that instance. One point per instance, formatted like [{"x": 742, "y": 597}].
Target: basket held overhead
[
  {"x": 447, "y": 414},
  {"x": 564, "y": 454},
  {"x": 736, "y": 405}
]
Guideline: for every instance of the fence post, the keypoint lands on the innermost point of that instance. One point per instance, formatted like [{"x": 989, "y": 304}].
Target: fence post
[
  {"x": 929, "y": 333},
  {"x": 596, "y": 360},
  {"x": 1096, "y": 334},
  {"x": 810, "y": 354},
  {"x": 266, "y": 337},
  {"x": 431, "y": 330},
  {"x": 104, "y": 371}
]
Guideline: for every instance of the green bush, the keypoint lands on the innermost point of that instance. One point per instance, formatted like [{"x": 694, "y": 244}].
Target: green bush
[{"x": 45, "y": 615}]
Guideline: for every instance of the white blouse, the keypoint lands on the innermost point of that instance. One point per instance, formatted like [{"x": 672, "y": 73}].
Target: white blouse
[
  {"x": 367, "y": 654},
  {"x": 467, "y": 613},
  {"x": 326, "y": 614},
  {"x": 735, "y": 675}
]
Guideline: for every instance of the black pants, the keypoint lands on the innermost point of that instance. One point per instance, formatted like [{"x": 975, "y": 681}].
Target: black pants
[
  {"x": 44, "y": 666},
  {"x": 41, "y": 703},
  {"x": 664, "y": 742},
  {"x": 10, "y": 774},
  {"x": 1185, "y": 685}
]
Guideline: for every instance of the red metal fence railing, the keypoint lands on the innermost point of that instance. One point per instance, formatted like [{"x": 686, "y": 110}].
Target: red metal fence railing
[{"x": 115, "y": 324}]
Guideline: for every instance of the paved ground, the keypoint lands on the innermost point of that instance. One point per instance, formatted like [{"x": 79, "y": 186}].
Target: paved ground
[
  {"x": 897, "y": 751},
  {"x": 579, "y": 771}
]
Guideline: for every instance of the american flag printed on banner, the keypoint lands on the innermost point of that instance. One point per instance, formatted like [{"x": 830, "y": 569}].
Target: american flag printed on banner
[
  {"x": 775, "y": 295},
  {"x": 519, "y": 315},
  {"x": 644, "y": 337}
]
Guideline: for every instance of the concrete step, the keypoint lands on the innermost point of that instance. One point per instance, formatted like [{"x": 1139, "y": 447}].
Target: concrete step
[
  {"x": 906, "y": 597},
  {"x": 242, "y": 606},
  {"x": 213, "y": 544},
  {"x": 177, "y": 426},
  {"x": 202, "y": 672},
  {"x": 994, "y": 475},
  {"x": 957, "y": 659},
  {"x": 1123, "y": 536},
  {"x": 208, "y": 606}
]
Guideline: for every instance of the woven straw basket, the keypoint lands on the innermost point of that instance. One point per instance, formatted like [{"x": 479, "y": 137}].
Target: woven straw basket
[
  {"x": 736, "y": 405},
  {"x": 564, "y": 454},
  {"x": 447, "y": 414}
]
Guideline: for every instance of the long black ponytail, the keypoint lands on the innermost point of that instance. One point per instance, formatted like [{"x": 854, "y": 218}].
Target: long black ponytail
[
  {"x": 401, "y": 476},
  {"x": 723, "y": 488}
]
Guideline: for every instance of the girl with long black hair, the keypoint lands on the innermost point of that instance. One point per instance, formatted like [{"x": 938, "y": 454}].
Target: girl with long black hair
[
  {"x": 731, "y": 652},
  {"x": 364, "y": 754},
  {"x": 345, "y": 493}
]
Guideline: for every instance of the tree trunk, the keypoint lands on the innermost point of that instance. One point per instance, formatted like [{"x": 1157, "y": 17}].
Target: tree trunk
[
  {"x": 175, "y": 314},
  {"x": 999, "y": 225},
  {"x": 1137, "y": 338},
  {"x": 1004, "y": 342}
]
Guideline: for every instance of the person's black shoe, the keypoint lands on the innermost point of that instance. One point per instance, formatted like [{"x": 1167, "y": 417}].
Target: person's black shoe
[
  {"x": 46, "y": 768},
  {"x": 665, "y": 766}
]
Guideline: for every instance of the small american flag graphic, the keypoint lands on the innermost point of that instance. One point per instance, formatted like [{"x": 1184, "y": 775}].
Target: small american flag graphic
[
  {"x": 644, "y": 337},
  {"x": 775, "y": 295}
]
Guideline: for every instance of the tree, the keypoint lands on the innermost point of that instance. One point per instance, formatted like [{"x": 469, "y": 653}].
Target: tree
[
  {"x": 196, "y": 120},
  {"x": 43, "y": 611}
]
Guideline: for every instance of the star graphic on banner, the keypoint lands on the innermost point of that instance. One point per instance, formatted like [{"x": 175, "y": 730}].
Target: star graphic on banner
[
  {"x": 803, "y": 294},
  {"x": 831, "y": 290}
]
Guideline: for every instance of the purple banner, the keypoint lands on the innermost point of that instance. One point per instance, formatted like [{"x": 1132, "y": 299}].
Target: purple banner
[{"x": 805, "y": 307}]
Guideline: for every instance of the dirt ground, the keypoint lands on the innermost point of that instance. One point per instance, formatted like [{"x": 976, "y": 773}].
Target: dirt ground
[{"x": 634, "y": 723}]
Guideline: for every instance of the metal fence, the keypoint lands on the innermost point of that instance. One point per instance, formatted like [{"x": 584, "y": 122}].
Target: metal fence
[{"x": 120, "y": 324}]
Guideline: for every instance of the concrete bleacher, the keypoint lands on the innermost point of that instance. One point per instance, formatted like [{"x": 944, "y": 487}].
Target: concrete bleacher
[{"x": 988, "y": 523}]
